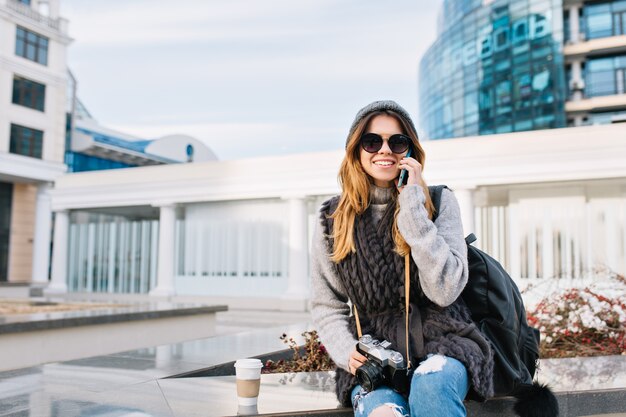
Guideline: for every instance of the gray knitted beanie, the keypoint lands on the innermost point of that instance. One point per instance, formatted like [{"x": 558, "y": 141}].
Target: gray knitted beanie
[{"x": 379, "y": 106}]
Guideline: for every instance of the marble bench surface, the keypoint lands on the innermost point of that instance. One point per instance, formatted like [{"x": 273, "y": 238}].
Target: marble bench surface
[
  {"x": 65, "y": 388},
  {"x": 115, "y": 314}
]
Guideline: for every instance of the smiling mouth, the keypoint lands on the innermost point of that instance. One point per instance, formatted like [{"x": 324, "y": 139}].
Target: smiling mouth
[{"x": 383, "y": 163}]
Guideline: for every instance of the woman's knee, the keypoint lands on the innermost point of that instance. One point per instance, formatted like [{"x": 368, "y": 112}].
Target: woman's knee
[
  {"x": 439, "y": 376},
  {"x": 389, "y": 410}
]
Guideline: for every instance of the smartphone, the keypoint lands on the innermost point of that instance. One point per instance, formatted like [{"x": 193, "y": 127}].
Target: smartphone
[{"x": 404, "y": 176}]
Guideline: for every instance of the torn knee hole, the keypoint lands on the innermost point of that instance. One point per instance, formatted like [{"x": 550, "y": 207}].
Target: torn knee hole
[
  {"x": 433, "y": 364},
  {"x": 389, "y": 410}
]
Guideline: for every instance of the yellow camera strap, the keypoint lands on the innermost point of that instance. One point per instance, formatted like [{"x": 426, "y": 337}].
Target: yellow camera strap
[
  {"x": 358, "y": 322},
  {"x": 407, "y": 291},
  {"x": 407, "y": 288}
]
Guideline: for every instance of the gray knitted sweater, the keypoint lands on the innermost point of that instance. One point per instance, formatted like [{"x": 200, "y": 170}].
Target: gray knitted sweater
[{"x": 438, "y": 249}]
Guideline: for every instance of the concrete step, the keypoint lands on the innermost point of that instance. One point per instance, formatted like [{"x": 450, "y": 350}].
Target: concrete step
[{"x": 607, "y": 415}]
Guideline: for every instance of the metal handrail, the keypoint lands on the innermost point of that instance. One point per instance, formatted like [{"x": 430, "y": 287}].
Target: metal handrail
[{"x": 31, "y": 13}]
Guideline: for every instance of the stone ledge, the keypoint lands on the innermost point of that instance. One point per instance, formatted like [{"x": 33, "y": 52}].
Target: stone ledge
[
  {"x": 575, "y": 404},
  {"x": 610, "y": 398},
  {"x": 35, "y": 339},
  {"x": 141, "y": 381},
  {"x": 60, "y": 320}
]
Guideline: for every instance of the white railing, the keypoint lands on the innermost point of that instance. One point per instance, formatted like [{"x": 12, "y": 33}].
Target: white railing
[
  {"x": 231, "y": 258},
  {"x": 566, "y": 238},
  {"x": 29, "y": 12},
  {"x": 113, "y": 256},
  {"x": 492, "y": 232},
  {"x": 233, "y": 248},
  {"x": 221, "y": 249}
]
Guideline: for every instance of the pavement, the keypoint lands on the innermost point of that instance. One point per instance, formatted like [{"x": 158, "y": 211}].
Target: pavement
[
  {"x": 140, "y": 382},
  {"x": 14, "y": 291},
  {"x": 229, "y": 322}
]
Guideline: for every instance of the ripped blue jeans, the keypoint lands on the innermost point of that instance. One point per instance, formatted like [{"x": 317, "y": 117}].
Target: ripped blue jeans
[{"x": 438, "y": 387}]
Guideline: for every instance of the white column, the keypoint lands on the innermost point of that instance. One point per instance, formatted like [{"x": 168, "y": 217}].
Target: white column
[
  {"x": 547, "y": 255},
  {"x": 611, "y": 237},
  {"x": 298, "y": 249},
  {"x": 515, "y": 258},
  {"x": 58, "y": 283},
  {"x": 578, "y": 120},
  {"x": 574, "y": 26},
  {"x": 165, "y": 268},
  {"x": 41, "y": 242},
  {"x": 576, "y": 82},
  {"x": 465, "y": 197}
]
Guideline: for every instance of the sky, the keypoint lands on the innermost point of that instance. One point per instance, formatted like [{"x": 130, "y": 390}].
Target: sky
[{"x": 247, "y": 77}]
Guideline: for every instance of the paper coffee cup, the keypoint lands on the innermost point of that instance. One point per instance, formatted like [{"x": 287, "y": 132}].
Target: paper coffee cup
[
  {"x": 248, "y": 377},
  {"x": 247, "y": 410}
]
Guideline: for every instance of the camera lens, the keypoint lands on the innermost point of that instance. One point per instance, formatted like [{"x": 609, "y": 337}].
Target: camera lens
[{"x": 369, "y": 375}]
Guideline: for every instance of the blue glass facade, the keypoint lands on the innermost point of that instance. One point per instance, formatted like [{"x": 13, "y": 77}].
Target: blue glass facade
[
  {"x": 78, "y": 162},
  {"x": 496, "y": 67}
]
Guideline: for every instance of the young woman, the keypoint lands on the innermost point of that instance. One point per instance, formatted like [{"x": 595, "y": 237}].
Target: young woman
[{"x": 358, "y": 260}]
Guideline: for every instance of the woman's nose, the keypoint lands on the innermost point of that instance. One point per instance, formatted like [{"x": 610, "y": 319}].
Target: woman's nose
[{"x": 385, "y": 149}]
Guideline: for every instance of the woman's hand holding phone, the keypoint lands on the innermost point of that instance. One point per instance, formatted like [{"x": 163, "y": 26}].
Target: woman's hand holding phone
[{"x": 411, "y": 171}]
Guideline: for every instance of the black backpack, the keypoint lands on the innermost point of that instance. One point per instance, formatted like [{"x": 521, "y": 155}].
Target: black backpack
[{"x": 498, "y": 310}]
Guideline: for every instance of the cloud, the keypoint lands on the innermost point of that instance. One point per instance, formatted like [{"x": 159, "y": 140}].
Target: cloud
[
  {"x": 245, "y": 140},
  {"x": 303, "y": 64},
  {"x": 159, "y": 22}
]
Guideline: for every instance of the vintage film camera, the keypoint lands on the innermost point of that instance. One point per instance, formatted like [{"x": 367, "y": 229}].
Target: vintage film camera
[{"x": 383, "y": 366}]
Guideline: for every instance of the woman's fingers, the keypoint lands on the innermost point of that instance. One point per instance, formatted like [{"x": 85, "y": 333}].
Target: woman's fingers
[
  {"x": 409, "y": 164},
  {"x": 356, "y": 360},
  {"x": 414, "y": 169},
  {"x": 354, "y": 365},
  {"x": 358, "y": 356}
]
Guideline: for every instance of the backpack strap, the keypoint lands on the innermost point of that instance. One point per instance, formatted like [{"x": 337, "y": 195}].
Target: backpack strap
[{"x": 435, "y": 195}]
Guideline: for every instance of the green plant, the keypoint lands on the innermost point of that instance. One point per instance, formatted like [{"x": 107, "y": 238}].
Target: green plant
[{"x": 310, "y": 357}]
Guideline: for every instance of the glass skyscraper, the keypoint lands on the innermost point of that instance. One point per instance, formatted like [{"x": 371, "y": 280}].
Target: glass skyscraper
[{"x": 506, "y": 66}]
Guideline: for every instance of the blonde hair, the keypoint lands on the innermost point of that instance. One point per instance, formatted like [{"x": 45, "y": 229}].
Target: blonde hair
[{"x": 355, "y": 184}]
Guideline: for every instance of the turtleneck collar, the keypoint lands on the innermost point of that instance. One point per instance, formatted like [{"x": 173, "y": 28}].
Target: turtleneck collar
[{"x": 380, "y": 195}]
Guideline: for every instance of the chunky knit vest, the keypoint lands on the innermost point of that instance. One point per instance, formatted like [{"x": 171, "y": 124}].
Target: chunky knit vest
[{"x": 373, "y": 278}]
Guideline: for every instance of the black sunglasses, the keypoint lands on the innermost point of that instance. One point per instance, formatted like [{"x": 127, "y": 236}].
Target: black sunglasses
[{"x": 373, "y": 142}]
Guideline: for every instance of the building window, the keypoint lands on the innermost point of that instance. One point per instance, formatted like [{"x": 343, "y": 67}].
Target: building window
[
  {"x": 6, "y": 199},
  {"x": 189, "y": 151},
  {"x": 606, "y": 76},
  {"x": 619, "y": 23},
  {"x": 606, "y": 118},
  {"x": 31, "y": 46},
  {"x": 605, "y": 19},
  {"x": 28, "y": 93},
  {"x": 26, "y": 141}
]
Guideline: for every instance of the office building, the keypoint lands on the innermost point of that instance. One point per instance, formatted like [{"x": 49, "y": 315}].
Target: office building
[
  {"x": 90, "y": 146},
  {"x": 504, "y": 66},
  {"x": 43, "y": 127},
  {"x": 550, "y": 204},
  {"x": 33, "y": 83}
]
